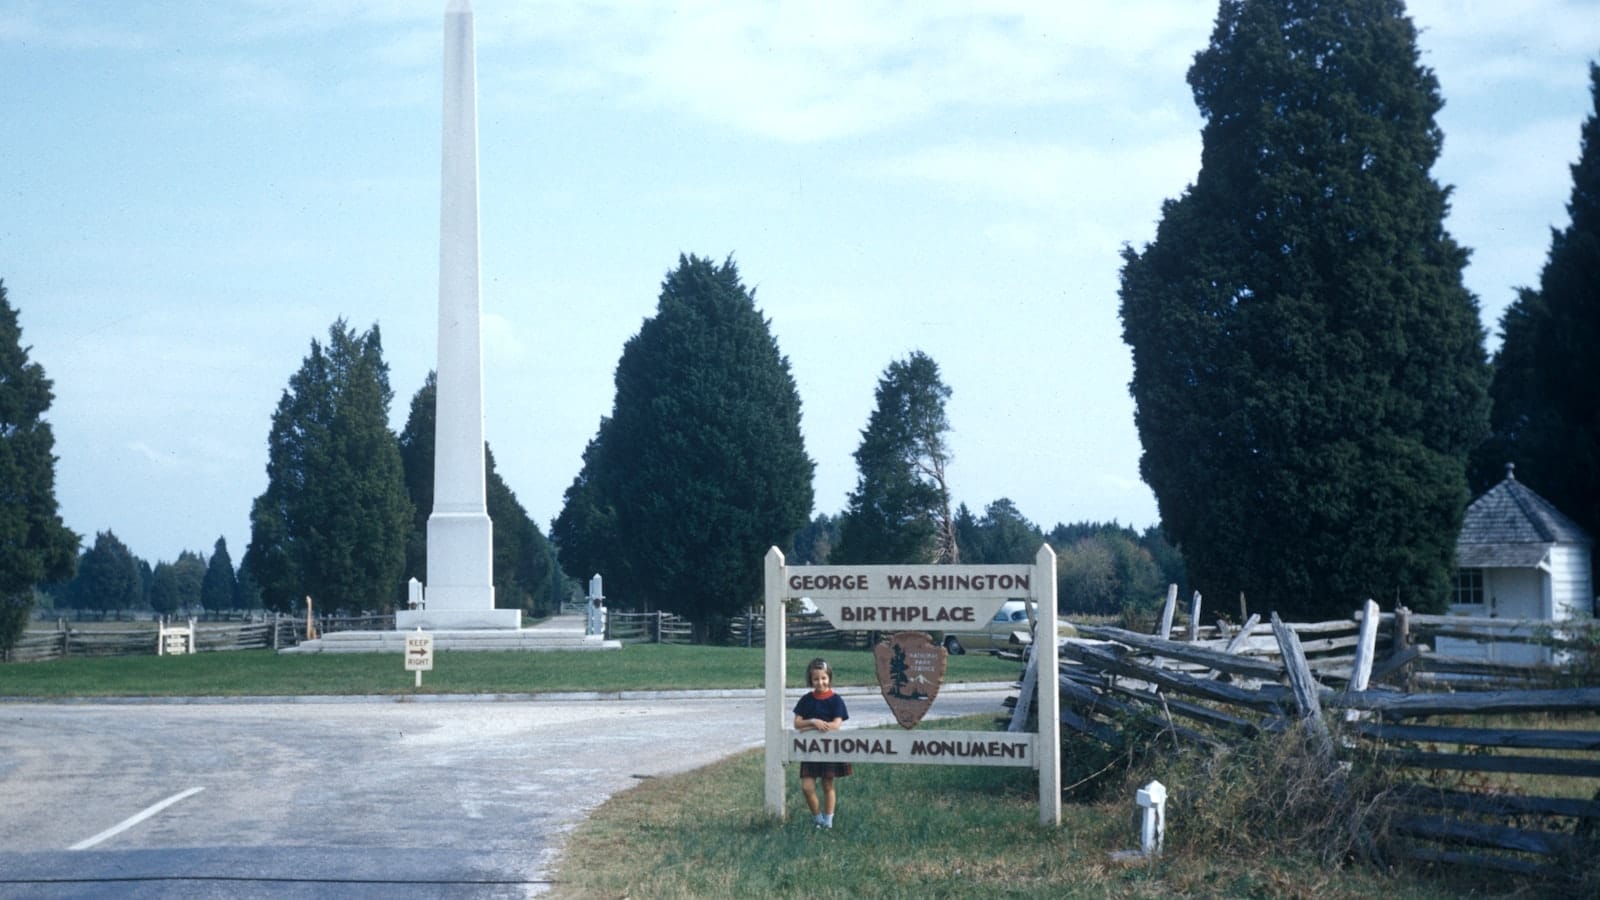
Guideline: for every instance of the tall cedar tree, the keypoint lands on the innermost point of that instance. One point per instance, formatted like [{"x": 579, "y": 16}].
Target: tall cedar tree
[
  {"x": 189, "y": 574},
  {"x": 108, "y": 577},
  {"x": 526, "y": 575},
  {"x": 900, "y": 509},
  {"x": 220, "y": 585},
  {"x": 166, "y": 591},
  {"x": 35, "y": 546},
  {"x": 1309, "y": 371},
  {"x": 1004, "y": 536},
  {"x": 1546, "y": 386},
  {"x": 701, "y": 467},
  {"x": 333, "y": 520}
]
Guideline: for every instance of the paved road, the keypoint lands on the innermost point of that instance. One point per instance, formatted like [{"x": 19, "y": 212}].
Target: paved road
[{"x": 297, "y": 799}]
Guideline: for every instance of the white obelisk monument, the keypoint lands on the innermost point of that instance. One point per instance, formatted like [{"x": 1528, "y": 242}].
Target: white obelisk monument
[{"x": 460, "y": 589}]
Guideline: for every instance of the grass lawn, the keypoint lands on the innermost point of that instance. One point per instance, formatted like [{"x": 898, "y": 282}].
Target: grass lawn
[
  {"x": 914, "y": 831},
  {"x": 265, "y": 673}
]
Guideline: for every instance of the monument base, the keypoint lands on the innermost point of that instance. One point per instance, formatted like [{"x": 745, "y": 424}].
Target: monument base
[{"x": 457, "y": 619}]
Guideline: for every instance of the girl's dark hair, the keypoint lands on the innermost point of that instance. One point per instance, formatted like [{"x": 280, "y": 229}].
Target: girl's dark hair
[{"x": 814, "y": 665}]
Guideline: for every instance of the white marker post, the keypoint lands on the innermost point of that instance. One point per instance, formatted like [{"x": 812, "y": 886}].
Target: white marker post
[{"x": 419, "y": 653}]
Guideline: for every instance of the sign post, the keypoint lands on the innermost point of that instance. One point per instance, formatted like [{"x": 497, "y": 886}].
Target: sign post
[
  {"x": 419, "y": 653},
  {"x": 901, "y": 598}
]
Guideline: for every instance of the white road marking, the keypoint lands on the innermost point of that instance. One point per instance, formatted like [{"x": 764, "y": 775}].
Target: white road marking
[{"x": 124, "y": 825}]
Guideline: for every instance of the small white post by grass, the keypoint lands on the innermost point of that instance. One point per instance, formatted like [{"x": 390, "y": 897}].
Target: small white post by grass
[{"x": 1152, "y": 800}]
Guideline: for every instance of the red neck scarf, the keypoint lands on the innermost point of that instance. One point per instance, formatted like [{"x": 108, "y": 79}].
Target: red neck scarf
[{"x": 822, "y": 695}]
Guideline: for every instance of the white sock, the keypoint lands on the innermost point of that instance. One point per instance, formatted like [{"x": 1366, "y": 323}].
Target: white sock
[{"x": 827, "y": 819}]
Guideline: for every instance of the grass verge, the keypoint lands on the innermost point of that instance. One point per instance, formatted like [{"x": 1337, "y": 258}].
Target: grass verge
[
  {"x": 265, "y": 673},
  {"x": 914, "y": 831}
]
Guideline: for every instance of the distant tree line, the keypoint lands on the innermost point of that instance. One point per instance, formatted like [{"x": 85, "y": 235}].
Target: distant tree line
[
  {"x": 111, "y": 579},
  {"x": 1102, "y": 569}
]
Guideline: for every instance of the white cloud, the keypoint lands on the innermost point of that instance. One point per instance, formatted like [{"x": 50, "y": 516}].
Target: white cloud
[
  {"x": 1113, "y": 176},
  {"x": 162, "y": 459},
  {"x": 804, "y": 72},
  {"x": 41, "y": 25},
  {"x": 1479, "y": 45}
]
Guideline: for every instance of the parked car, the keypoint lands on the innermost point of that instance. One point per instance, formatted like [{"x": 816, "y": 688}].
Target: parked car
[{"x": 997, "y": 632}]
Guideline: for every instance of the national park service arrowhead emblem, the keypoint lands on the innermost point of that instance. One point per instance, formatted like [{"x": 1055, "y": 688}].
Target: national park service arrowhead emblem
[{"x": 910, "y": 670}]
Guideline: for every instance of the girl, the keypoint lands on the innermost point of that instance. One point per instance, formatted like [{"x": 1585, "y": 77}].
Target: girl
[{"x": 820, "y": 710}]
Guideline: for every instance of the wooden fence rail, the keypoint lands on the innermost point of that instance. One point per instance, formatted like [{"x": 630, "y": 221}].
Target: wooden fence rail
[
  {"x": 799, "y": 630},
  {"x": 1357, "y": 688},
  {"x": 140, "y": 638},
  {"x": 648, "y": 628}
]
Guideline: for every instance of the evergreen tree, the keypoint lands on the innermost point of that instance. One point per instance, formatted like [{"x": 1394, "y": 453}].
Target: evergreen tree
[
  {"x": 416, "y": 465},
  {"x": 189, "y": 574},
  {"x": 585, "y": 530},
  {"x": 333, "y": 521},
  {"x": 220, "y": 585},
  {"x": 147, "y": 580},
  {"x": 814, "y": 544},
  {"x": 1169, "y": 562},
  {"x": 166, "y": 597},
  {"x": 1309, "y": 372},
  {"x": 524, "y": 561},
  {"x": 900, "y": 509},
  {"x": 1002, "y": 537},
  {"x": 35, "y": 546},
  {"x": 701, "y": 467},
  {"x": 1546, "y": 386},
  {"x": 246, "y": 592},
  {"x": 108, "y": 576}
]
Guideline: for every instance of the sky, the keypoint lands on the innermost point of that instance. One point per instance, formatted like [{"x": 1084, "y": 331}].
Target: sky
[{"x": 195, "y": 192}]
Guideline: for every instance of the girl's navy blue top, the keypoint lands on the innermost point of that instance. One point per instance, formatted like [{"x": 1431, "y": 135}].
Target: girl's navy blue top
[{"x": 827, "y": 710}]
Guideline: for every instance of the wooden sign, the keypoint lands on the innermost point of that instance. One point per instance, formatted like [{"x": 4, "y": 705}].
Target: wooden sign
[
  {"x": 910, "y": 671},
  {"x": 939, "y": 598}
]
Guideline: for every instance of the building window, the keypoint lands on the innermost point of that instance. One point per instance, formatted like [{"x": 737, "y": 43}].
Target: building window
[{"x": 1469, "y": 586}]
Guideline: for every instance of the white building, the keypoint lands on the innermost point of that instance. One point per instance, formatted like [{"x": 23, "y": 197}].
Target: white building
[{"x": 1518, "y": 557}]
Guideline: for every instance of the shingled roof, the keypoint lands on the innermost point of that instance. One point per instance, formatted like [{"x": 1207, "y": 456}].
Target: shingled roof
[{"x": 1512, "y": 527}]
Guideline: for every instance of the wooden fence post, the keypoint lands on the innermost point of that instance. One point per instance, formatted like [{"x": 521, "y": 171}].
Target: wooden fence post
[
  {"x": 1303, "y": 685},
  {"x": 1402, "y": 629},
  {"x": 1244, "y": 633},
  {"x": 1366, "y": 648},
  {"x": 1030, "y": 678},
  {"x": 1194, "y": 618},
  {"x": 1166, "y": 612}
]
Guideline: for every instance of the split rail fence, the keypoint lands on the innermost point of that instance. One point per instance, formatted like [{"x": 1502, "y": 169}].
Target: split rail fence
[
  {"x": 799, "y": 630},
  {"x": 143, "y": 638},
  {"x": 648, "y": 628},
  {"x": 1474, "y": 741}
]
